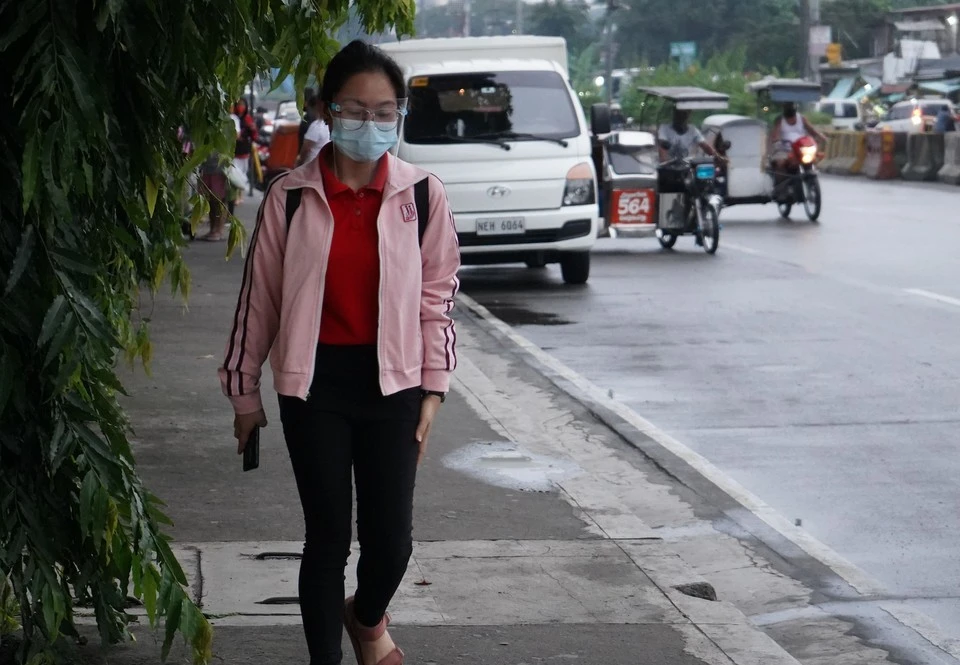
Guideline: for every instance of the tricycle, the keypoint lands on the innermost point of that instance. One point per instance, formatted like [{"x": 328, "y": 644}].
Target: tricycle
[
  {"x": 644, "y": 195},
  {"x": 750, "y": 173}
]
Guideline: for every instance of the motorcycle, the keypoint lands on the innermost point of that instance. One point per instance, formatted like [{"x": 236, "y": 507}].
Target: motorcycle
[
  {"x": 800, "y": 181},
  {"x": 696, "y": 211}
]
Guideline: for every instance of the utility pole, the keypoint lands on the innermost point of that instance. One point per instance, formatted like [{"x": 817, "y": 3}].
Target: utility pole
[
  {"x": 612, "y": 6},
  {"x": 814, "y": 60},
  {"x": 466, "y": 18},
  {"x": 519, "y": 24},
  {"x": 803, "y": 62}
]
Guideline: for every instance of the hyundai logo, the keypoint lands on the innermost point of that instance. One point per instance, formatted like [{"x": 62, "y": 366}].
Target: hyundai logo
[{"x": 498, "y": 192}]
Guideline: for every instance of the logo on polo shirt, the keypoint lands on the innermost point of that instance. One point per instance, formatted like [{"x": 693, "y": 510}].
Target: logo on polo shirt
[{"x": 409, "y": 212}]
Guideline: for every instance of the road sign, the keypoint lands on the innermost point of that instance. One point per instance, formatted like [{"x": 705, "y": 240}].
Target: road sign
[
  {"x": 685, "y": 51},
  {"x": 820, "y": 37}
]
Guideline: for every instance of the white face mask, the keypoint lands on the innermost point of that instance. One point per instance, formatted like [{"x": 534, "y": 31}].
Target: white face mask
[{"x": 367, "y": 144}]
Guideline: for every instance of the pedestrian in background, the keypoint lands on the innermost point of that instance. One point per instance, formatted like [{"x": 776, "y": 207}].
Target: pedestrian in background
[
  {"x": 351, "y": 299},
  {"x": 245, "y": 139},
  {"x": 945, "y": 121},
  {"x": 317, "y": 136},
  {"x": 308, "y": 115}
]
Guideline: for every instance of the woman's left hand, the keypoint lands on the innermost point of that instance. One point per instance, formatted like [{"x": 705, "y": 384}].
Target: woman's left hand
[{"x": 428, "y": 411}]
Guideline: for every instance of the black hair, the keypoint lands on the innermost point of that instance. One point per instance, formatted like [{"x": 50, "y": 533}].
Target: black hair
[{"x": 359, "y": 57}]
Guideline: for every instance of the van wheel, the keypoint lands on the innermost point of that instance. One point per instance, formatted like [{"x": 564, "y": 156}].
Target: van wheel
[{"x": 575, "y": 267}]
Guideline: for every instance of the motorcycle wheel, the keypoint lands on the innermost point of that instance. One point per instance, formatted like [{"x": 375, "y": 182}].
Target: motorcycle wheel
[
  {"x": 667, "y": 240},
  {"x": 811, "y": 199},
  {"x": 710, "y": 230},
  {"x": 784, "y": 209}
]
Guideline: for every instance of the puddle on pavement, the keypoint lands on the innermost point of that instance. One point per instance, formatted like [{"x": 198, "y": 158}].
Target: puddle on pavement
[
  {"x": 521, "y": 316},
  {"x": 505, "y": 464}
]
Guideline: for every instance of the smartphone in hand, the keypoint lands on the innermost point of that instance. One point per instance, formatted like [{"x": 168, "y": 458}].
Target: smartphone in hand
[{"x": 251, "y": 452}]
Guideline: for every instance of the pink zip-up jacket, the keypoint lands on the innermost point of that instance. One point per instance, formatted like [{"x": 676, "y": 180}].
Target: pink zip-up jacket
[{"x": 281, "y": 295}]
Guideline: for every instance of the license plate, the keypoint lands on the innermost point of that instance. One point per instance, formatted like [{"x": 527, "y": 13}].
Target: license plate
[
  {"x": 706, "y": 171},
  {"x": 509, "y": 226},
  {"x": 634, "y": 206}
]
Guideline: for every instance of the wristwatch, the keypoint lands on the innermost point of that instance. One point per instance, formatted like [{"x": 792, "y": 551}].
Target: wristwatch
[{"x": 442, "y": 396}]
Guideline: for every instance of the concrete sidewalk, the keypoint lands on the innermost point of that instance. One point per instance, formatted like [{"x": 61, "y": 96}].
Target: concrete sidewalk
[{"x": 529, "y": 547}]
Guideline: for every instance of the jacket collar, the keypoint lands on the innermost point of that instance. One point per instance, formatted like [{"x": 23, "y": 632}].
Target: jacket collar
[{"x": 401, "y": 176}]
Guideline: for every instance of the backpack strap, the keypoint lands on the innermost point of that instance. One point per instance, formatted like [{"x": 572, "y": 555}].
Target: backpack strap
[
  {"x": 293, "y": 202},
  {"x": 421, "y": 198}
]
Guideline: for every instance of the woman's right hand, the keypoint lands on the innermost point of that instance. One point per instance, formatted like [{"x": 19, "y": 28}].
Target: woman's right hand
[{"x": 243, "y": 425}]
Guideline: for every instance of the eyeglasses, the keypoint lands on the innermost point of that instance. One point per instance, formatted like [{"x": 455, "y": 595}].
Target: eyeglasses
[{"x": 353, "y": 117}]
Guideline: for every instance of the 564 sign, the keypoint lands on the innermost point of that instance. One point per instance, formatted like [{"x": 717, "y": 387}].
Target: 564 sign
[{"x": 634, "y": 206}]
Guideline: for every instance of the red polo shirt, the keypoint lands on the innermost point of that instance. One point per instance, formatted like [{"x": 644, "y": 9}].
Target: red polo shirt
[{"x": 351, "y": 297}]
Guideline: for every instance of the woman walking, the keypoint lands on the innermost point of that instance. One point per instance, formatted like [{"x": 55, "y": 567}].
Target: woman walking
[
  {"x": 348, "y": 285},
  {"x": 247, "y": 136}
]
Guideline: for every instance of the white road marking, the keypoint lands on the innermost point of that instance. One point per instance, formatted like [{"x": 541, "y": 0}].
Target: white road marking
[
  {"x": 855, "y": 576},
  {"x": 934, "y": 296}
]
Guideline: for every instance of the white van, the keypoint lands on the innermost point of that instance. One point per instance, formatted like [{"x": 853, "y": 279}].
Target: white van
[
  {"x": 844, "y": 113},
  {"x": 498, "y": 122}
]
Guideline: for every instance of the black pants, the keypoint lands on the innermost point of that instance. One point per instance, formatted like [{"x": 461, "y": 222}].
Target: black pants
[{"x": 348, "y": 425}]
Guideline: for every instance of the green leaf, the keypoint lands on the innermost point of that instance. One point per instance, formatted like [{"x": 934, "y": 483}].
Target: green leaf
[
  {"x": 31, "y": 13},
  {"x": 24, "y": 253},
  {"x": 53, "y": 319},
  {"x": 190, "y": 619},
  {"x": 200, "y": 210},
  {"x": 9, "y": 370},
  {"x": 82, "y": 87},
  {"x": 49, "y": 610},
  {"x": 172, "y": 621},
  {"x": 56, "y": 438},
  {"x": 69, "y": 260},
  {"x": 169, "y": 561},
  {"x": 64, "y": 333},
  {"x": 88, "y": 177},
  {"x": 150, "y": 593},
  {"x": 31, "y": 160},
  {"x": 152, "y": 192},
  {"x": 88, "y": 491}
]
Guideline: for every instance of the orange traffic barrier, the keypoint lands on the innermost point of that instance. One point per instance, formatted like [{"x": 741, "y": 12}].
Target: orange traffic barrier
[{"x": 880, "y": 161}]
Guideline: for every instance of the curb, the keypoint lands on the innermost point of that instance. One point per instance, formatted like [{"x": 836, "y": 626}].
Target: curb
[{"x": 719, "y": 621}]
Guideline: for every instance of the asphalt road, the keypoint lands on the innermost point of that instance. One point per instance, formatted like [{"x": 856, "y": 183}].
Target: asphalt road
[{"x": 817, "y": 365}]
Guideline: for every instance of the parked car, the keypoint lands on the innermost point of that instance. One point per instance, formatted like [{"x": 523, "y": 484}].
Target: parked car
[
  {"x": 844, "y": 113},
  {"x": 915, "y": 115}
]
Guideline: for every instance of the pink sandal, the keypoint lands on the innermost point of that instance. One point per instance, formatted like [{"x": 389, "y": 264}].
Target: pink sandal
[{"x": 360, "y": 634}]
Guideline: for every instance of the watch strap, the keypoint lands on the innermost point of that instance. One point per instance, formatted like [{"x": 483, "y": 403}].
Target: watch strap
[{"x": 442, "y": 396}]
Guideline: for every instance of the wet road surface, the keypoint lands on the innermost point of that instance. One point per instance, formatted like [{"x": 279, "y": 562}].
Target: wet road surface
[{"x": 817, "y": 365}]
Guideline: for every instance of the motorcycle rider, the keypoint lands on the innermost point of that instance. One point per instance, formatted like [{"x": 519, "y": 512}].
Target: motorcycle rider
[
  {"x": 790, "y": 127},
  {"x": 677, "y": 139}
]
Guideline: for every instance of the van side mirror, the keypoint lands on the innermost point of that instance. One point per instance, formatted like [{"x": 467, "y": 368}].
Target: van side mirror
[{"x": 600, "y": 119}]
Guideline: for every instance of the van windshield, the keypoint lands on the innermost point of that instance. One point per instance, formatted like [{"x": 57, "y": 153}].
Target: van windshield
[{"x": 522, "y": 105}]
